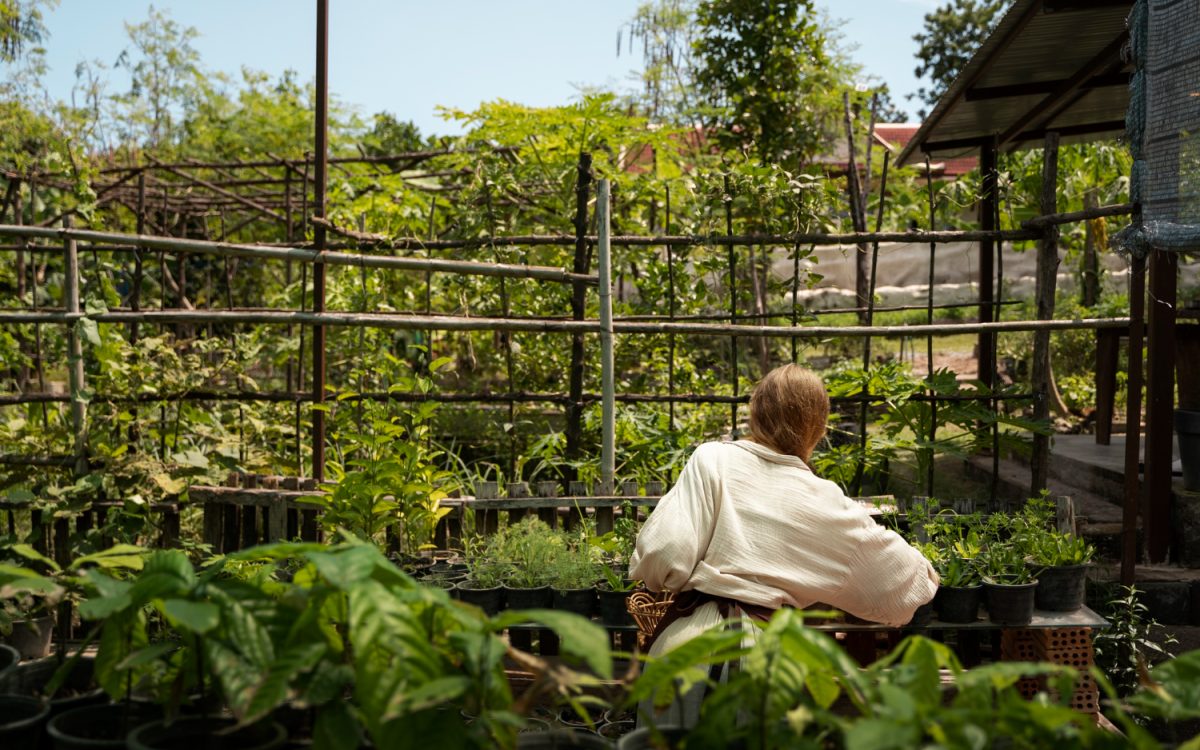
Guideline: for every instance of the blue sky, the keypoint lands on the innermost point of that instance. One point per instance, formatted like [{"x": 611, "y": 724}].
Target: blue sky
[{"x": 409, "y": 56}]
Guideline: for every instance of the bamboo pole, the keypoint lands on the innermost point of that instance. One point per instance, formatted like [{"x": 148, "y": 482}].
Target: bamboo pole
[
  {"x": 733, "y": 312},
  {"x": 933, "y": 403},
  {"x": 415, "y": 243},
  {"x": 322, "y": 169},
  {"x": 1047, "y": 272},
  {"x": 574, "y": 415},
  {"x": 75, "y": 374},
  {"x": 449, "y": 323},
  {"x": 870, "y": 320},
  {"x": 1069, "y": 217},
  {"x": 701, "y": 240},
  {"x": 607, "y": 385},
  {"x": 472, "y": 397},
  {"x": 303, "y": 255}
]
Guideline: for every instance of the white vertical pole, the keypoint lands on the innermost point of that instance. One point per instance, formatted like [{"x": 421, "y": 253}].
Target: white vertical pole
[
  {"x": 75, "y": 375},
  {"x": 608, "y": 412}
]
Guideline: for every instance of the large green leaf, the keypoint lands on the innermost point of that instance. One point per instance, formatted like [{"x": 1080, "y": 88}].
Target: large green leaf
[
  {"x": 29, "y": 553},
  {"x": 111, "y": 596},
  {"x": 579, "y": 637},
  {"x": 336, "y": 728},
  {"x": 197, "y": 617},
  {"x": 126, "y": 556}
]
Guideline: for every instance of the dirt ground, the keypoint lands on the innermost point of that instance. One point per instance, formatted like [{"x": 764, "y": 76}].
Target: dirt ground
[{"x": 961, "y": 362}]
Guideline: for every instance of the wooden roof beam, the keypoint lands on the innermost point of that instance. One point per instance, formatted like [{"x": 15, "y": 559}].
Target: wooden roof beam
[
  {"x": 1041, "y": 112},
  {"x": 985, "y": 93}
]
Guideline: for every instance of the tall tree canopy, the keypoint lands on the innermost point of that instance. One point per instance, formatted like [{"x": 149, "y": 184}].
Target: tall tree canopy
[
  {"x": 951, "y": 35},
  {"x": 764, "y": 67}
]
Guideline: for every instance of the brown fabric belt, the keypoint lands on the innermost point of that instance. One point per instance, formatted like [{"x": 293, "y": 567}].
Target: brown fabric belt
[{"x": 686, "y": 603}]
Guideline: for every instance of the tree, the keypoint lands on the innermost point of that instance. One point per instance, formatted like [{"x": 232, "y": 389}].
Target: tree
[
  {"x": 20, "y": 26},
  {"x": 952, "y": 34},
  {"x": 665, "y": 29},
  {"x": 391, "y": 136},
  {"x": 768, "y": 75},
  {"x": 165, "y": 71}
]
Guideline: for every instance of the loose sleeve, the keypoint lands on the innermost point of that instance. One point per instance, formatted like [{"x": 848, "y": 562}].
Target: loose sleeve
[
  {"x": 887, "y": 578},
  {"x": 676, "y": 535}
]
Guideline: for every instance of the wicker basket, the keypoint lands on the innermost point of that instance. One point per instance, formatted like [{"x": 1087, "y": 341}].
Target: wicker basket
[{"x": 647, "y": 609}]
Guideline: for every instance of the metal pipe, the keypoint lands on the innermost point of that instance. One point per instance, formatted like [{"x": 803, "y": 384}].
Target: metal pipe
[{"x": 607, "y": 384}]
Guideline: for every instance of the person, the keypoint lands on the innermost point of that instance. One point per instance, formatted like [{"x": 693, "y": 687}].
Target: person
[{"x": 748, "y": 528}]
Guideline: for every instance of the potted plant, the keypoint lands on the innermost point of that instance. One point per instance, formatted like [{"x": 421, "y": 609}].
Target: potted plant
[
  {"x": 1062, "y": 562},
  {"x": 611, "y": 596},
  {"x": 573, "y": 582},
  {"x": 527, "y": 550},
  {"x": 27, "y": 621},
  {"x": 960, "y": 592},
  {"x": 1008, "y": 585},
  {"x": 482, "y": 585}
]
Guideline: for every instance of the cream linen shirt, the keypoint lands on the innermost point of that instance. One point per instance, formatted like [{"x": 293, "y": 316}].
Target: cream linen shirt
[{"x": 750, "y": 524}]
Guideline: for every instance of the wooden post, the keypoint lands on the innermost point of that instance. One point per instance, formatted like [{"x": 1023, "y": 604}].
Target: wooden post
[
  {"x": 1047, "y": 274},
  {"x": 319, "y": 239},
  {"x": 1090, "y": 286},
  {"x": 987, "y": 262},
  {"x": 1064, "y": 514},
  {"x": 574, "y": 431},
  {"x": 487, "y": 521},
  {"x": 858, "y": 214},
  {"x": 1133, "y": 420},
  {"x": 1108, "y": 352},
  {"x": 1160, "y": 404},
  {"x": 549, "y": 516},
  {"x": 517, "y": 490},
  {"x": 575, "y": 511}
]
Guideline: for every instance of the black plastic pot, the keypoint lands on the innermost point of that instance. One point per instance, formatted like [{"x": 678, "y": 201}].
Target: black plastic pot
[
  {"x": 21, "y": 720},
  {"x": 579, "y": 601},
  {"x": 99, "y": 727},
  {"x": 443, "y": 567},
  {"x": 489, "y": 600},
  {"x": 562, "y": 738},
  {"x": 958, "y": 604},
  {"x": 519, "y": 598},
  {"x": 10, "y": 679},
  {"x": 1061, "y": 588},
  {"x": 922, "y": 615},
  {"x": 32, "y": 637},
  {"x": 645, "y": 738},
  {"x": 610, "y": 605},
  {"x": 77, "y": 690},
  {"x": 445, "y": 583},
  {"x": 1010, "y": 604},
  {"x": 568, "y": 717},
  {"x": 196, "y": 733},
  {"x": 615, "y": 730},
  {"x": 534, "y": 724},
  {"x": 1187, "y": 428}
]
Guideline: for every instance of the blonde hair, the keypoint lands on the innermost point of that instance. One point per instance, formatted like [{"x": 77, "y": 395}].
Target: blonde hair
[{"x": 789, "y": 410}]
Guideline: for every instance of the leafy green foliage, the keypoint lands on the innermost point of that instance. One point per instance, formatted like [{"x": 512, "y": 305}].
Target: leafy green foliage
[
  {"x": 951, "y": 35},
  {"x": 765, "y": 69}
]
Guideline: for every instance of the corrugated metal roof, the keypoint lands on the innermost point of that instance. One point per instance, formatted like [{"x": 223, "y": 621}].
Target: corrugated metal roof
[{"x": 1048, "y": 65}]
